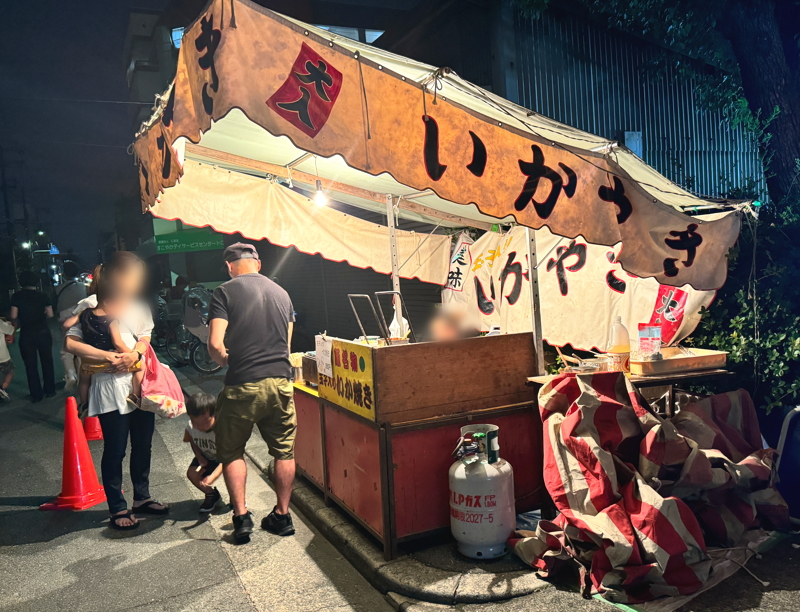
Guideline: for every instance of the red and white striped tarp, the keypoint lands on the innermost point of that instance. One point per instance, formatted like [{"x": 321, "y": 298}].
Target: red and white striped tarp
[{"x": 640, "y": 497}]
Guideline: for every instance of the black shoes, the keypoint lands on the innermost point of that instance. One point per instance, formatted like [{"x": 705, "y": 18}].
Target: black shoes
[
  {"x": 242, "y": 528},
  {"x": 279, "y": 524},
  {"x": 211, "y": 502}
]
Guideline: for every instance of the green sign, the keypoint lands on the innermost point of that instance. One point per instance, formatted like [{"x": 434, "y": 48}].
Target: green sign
[{"x": 201, "y": 239}]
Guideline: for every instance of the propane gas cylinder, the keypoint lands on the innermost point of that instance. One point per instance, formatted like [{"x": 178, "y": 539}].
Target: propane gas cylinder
[{"x": 482, "y": 514}]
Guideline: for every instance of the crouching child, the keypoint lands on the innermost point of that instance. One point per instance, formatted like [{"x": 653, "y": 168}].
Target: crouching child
[{"x": 204, "y": 469}]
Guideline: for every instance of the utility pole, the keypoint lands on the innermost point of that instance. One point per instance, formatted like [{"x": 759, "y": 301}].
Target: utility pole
[
  {"x": 26, "y": 217},
  {"x": 4, "y": 188}
]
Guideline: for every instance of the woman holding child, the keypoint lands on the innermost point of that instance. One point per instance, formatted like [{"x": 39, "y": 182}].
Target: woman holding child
[{"x": 111, "y": 391}]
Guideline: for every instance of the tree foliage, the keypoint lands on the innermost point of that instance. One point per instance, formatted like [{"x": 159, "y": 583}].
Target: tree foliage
[{"x": 756, "y": 316}]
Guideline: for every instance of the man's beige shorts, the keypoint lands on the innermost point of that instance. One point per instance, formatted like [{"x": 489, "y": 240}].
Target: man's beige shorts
[{"x": 268, "y": 404}]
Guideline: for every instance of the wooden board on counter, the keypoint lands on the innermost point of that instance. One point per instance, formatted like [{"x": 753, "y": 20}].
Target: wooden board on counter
[
  {"x": 430, "y": 379},
  {"x": 651, "y": 381}
]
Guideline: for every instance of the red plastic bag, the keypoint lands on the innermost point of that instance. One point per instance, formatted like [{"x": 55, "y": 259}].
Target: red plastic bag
[{"x": 161, "y": 392}]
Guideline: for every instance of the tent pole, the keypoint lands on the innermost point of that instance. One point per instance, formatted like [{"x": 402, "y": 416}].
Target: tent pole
[
  {"x": 536, "y": 311},
  {"x": 398, "y": 308}
]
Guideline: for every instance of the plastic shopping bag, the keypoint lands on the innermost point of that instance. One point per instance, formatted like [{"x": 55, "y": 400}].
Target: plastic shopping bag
[{"x": 161, "y": 392}]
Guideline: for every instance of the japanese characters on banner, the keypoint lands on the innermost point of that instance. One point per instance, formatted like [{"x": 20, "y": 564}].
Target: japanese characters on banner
[
  {"x": 351, "y": 386},
  {"x": 582, "y": 288},
  {"x": 334, "y": 97}
]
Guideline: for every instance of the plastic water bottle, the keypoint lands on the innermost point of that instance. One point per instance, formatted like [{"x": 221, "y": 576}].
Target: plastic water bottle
[{"x": 619, "y": 346}]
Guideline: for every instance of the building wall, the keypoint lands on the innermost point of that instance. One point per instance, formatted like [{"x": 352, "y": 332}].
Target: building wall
[{"x": 572, "y": 71}]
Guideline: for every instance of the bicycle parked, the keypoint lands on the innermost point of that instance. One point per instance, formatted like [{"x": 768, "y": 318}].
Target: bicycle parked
[{"x": 188, "y": 334}]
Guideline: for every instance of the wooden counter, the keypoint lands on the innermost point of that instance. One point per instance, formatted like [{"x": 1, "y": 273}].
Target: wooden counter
[{"x": 411, "y": 382}]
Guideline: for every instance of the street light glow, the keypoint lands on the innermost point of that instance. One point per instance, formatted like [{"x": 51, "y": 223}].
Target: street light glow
[{"x": 26, "y": 245}]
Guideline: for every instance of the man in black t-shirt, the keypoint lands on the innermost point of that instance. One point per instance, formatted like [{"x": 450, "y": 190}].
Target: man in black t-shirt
[
  {"x": 30, "y": 309},
  {"x": 257, "y": 316}
]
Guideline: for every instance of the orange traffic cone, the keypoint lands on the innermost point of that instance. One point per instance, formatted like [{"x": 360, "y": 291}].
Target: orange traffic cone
[
  {"x": 80, "y": 488},
  {"x": 91, "y": 427}
]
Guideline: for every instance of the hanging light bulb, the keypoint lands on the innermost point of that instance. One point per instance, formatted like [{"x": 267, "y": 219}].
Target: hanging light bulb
[{"x": 319, "y": 197}]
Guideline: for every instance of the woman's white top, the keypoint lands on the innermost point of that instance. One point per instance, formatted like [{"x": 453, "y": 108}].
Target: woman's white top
[{"x": 109, "y": 390}]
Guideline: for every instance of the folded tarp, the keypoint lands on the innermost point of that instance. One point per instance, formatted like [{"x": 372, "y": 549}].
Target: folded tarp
[
  {"x": 640, "y": 497},
  {"x": 257, "y": 208}
]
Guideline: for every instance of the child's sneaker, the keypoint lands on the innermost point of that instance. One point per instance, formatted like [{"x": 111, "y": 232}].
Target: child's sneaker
[
  {"x": 279, "y": 524},
  {"x": 4, "y": 395},
  {"x": 211, "y": 502}
]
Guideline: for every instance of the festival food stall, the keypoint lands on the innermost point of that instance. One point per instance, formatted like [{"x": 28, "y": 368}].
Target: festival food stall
[{"x": 262, "y": 105}]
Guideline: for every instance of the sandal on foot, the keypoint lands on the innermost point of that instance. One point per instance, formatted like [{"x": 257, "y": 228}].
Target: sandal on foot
[
  {"x": 114, "y": 524},
  {"x": 147, "y": 508}
]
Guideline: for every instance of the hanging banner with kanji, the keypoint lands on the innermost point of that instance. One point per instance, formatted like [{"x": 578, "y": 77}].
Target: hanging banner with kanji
[
  {"x": 352, "y": 385},
  {"x": 582, "y": 289},
  {"x": 429, "y": 130}
]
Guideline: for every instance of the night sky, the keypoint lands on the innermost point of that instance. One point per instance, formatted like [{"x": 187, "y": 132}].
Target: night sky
[{"x": 51, "y": 49}]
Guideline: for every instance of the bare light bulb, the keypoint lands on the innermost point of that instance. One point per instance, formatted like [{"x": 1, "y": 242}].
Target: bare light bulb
[{"x": 319, "y": 197}]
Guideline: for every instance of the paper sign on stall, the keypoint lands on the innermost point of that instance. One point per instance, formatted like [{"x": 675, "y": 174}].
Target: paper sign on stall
[{"x": 324, "y": 359}]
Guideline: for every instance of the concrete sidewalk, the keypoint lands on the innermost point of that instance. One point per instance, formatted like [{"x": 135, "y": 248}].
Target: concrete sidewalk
[{"x": 52, "y": 561}]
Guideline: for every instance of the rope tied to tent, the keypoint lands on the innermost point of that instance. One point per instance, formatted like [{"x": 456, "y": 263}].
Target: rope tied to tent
[
  {"x": 435, "y": 78},
  {"x": 364, "y": 105}
]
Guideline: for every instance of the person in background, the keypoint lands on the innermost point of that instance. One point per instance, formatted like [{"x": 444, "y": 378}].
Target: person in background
[
  {"x": 68, "y": 294},
  {"x": 176, "y": 292},
  {"x": 257, "y": 316},
  {"x": 204, "y": 470},
  {"x": 6, "y": 364},
  {"x": 30, "y": 310}
]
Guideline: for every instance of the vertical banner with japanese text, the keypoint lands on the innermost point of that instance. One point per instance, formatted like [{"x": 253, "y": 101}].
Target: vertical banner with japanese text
[{"x": 352, "y": 385}]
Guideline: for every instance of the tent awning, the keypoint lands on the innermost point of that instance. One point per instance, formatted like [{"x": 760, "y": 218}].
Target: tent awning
[
  {"x": 274, "y": 89},
  {"x": 232, "y": 202}
]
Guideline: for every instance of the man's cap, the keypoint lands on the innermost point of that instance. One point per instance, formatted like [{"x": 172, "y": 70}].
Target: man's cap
[{"x": 240, "y": 250}]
